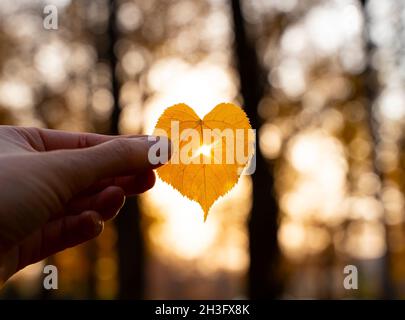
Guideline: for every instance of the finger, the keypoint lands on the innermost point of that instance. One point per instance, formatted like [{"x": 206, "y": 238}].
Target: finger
[
  {"x": 136, "y": 185},
  {"x": 107, "y": 203},
  {"x": 58, "y": 235},
  {"x": 58, "y": 139},
  {"x": 131, "y": 185},
  {"x": 80, "y": 168},
  {"x": 110, "y": 200}
]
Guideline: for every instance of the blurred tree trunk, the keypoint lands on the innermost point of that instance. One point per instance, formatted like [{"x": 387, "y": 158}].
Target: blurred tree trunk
[
  {"x": 264, "y": 280},
  {"x": 130, "y": 242},
  {"x": 370, "y": 92}
]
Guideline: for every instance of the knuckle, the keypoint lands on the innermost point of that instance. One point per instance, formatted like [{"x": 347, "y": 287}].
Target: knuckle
[{"x": 82, "y": 141}]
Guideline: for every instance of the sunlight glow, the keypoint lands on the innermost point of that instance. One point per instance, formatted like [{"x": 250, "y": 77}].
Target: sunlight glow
[
  {"x": 366, "y": 241},
  {"x": 201, "y": 86},
  {"x": 318, "y": 193},
  {"x": 204, "y": 150},
  {"x": 180, "y": 231}
]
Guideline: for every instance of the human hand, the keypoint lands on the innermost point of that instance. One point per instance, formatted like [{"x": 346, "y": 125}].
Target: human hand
[{"x": 57, "y": 188}]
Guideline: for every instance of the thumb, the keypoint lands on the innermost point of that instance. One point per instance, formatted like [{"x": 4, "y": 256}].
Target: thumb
[{"x": 121, "y": 156}]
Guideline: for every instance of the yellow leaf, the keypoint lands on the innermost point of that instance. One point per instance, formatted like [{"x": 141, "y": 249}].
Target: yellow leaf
[{"x": 208, "y": 155}]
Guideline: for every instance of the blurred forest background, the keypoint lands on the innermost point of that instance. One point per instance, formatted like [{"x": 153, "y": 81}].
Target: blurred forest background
[{"x": 321, "y": 80}]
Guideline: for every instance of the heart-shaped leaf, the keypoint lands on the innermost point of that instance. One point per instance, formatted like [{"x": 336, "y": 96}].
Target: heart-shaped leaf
[{"x": 208, "y": 155}]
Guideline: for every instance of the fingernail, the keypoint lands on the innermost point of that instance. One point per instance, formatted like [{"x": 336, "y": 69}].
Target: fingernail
[
  {"x": 123, "y": 203},
  {"x": 99, "y": 226},
  {"x": 119, "y": 209},
  {"x": 98, "y": 223}
]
